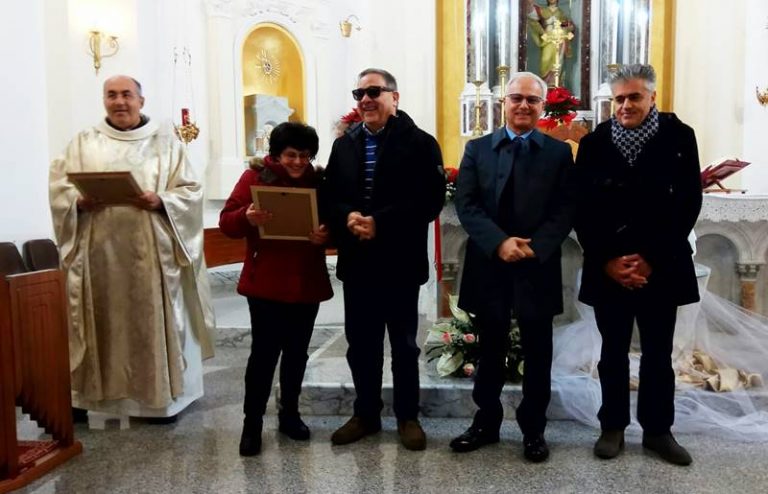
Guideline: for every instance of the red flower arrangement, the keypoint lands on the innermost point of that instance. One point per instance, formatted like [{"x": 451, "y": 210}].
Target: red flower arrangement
[
  {"x": 559, "y": 108},
  {"x": 451, "y": 174},
  {"x": 351, "y": 117}
]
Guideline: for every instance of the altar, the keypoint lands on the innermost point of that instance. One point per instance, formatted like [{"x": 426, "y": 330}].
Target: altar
[{"x": 731, "y": 240}]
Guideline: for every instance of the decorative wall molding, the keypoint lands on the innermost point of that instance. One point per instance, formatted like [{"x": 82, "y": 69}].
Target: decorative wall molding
[
  {"x": 734, "y": 208},
  {"x": 219, "y": 8}
]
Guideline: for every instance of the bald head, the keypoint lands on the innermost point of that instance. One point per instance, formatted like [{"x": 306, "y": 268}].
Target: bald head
[
  {"x": 123, "y": 101},
  {"x": 124, "y": 78}
]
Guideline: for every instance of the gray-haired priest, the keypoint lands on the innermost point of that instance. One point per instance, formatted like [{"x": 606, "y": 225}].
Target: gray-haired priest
[{"x": 136, "y": 280}]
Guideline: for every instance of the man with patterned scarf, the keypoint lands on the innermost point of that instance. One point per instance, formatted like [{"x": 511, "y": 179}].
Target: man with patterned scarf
[{"x": 641, "y": 195}]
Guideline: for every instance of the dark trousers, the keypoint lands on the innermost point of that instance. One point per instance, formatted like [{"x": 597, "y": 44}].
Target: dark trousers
[
  {"x": 277, "y": 327},
  {"x": 656, "y": 394},
  {"x": 370, "y": 306},
  {"x": 536, "y": 340}
]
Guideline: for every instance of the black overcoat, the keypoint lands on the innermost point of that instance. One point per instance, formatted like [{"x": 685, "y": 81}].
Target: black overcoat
[
  {"x": 648, "y": 208},
  {"x": 408, "y": 193},
  {"x": 543, "y": 199}
]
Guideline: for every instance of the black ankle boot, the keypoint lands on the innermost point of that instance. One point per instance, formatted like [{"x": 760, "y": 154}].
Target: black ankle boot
[
  {"x": 250, "y": 440},
  {"x": 293, "y": 427}
]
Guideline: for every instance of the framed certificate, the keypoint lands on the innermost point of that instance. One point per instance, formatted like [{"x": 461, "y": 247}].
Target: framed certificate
[
  {"x": 294, "y": 211},
  {"x": 111, "y": 188}
]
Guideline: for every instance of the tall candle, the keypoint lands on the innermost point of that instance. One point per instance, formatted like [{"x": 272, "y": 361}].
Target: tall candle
[
  {"x": 502, "y": 22},
  {"x": 480, "y": 39},
  {"x": 185, "y": 116}
]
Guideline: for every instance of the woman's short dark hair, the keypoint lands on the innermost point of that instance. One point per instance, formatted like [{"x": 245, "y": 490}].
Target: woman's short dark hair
[{"x": 295, "y": 135}]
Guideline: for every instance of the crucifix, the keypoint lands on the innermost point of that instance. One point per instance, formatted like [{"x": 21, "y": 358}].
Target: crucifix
[{"x": 557, "y": 36}]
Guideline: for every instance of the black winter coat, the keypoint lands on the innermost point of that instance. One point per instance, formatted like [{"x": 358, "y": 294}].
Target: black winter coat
[
  {"x": 408, "y": 193},
  {"x": 542, "y": 210},
  {"x": 648, "y": 208}
]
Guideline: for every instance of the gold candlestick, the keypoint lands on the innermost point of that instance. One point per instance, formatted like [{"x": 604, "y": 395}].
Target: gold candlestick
[
  {"x": 478, "y": 130},
  {"x": 502, "y": 70},
  {"x": 557, "y": 36}
]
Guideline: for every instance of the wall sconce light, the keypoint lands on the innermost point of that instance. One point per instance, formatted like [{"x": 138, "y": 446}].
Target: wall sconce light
[
  {"x": 95, "y": 41},
  {"x": 346, "y": 25},
  {"x": 762, "y": 96}
]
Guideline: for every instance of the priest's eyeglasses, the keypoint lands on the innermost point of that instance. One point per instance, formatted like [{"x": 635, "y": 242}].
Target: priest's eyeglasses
[
  {"x": 518, "y": 99},
  {"x": 373, "y": 92}
]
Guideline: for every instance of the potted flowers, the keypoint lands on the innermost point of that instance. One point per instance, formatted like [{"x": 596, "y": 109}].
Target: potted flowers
[
  {"x": 451, "y": 174},
  {"x": 454, "y": 344},
  {"x": 559, "y": 108}
]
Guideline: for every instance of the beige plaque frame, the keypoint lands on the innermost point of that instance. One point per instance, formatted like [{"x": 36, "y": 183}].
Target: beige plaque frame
[
  {"x": 111, "y": 188},
  {"x": 294, "y": 211}
]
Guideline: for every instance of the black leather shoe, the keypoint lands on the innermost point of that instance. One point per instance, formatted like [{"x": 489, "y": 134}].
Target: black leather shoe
[
  {"x": 79, "y": 415},
  {"x": 667, "y": 448},
  {"x": 610, "y": 444},
  {"x": 250, "y": 440},
  {"x": 535, "y": 448},
  {"x": 163, "y": 420},
  {"x": 474, "y": 438},
  {"x": 293, "y": 427}
]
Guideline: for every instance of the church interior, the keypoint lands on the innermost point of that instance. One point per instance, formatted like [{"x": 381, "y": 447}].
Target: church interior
[{"x": 224, "y": 73}]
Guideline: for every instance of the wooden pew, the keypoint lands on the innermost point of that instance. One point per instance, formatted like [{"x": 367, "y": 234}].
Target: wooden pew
[
  {"x": 220, "y": 249},
  {"x": 34, "y": 372}
]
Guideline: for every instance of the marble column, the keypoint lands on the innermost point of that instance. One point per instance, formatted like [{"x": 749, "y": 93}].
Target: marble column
[{"x": 748, "y": 277}]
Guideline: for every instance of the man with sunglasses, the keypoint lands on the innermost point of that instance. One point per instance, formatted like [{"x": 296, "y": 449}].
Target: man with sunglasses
[
  {"x": 515, "y": 200},
  {"x": 641, "y": 197},
  {"x": 384, "y": 185}
]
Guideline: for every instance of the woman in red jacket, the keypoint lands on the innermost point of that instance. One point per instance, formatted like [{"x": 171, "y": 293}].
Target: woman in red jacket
[{"x": 283, "y": 280}]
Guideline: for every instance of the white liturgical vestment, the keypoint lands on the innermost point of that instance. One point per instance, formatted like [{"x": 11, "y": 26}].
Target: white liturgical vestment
[{"x": 139, "y": 301}]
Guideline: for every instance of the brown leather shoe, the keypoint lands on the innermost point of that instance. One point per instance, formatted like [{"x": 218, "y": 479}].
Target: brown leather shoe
[
  {"x": 412, "y": 435},
  {"x": 610, "y": 444},
  {"x": 355, "y": 429}
]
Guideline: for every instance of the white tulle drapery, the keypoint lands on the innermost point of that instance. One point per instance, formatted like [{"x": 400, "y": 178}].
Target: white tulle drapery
[{"x": 718, "y": 345}]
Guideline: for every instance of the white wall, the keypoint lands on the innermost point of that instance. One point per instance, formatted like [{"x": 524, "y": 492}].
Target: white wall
[
  {"x": 720, "y": 59},
  {"x": 24, "y": 212},
  {"x": 755, "y": 142}
]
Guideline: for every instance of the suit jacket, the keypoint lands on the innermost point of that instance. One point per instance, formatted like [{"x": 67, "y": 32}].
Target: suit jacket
[
  {"x": 648, "y": 208},
  {"x": 543, "y": 198},
  {"x": 408, "y": 193}
]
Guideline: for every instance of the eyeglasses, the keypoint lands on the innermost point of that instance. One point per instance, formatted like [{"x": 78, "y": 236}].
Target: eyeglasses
[
  {"x": 293, "y": 155},
  {"x": 373, "y": 92},
  {"x": 518, "y": 99}
]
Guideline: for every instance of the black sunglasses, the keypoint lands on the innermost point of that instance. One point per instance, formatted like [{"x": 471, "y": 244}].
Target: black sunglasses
[{"x": 373, "y": 92}]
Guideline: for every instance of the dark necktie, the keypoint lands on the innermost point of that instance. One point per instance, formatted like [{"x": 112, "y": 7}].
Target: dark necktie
[{"x": 506, "y": 201}]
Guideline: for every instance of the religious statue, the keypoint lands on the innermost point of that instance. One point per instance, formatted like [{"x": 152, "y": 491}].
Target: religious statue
[{"x": 551, "y": 30}]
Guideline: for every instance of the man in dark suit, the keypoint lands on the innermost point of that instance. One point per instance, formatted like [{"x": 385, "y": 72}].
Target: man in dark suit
[
  {"x": 385, "y": 183},
  {"x": 514, "y": 198},
  {"x": 641, "y": 197}
]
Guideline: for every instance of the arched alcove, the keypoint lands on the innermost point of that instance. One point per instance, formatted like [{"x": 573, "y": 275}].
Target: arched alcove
[
  {"x": 721, "y": 255},
  {"x": 272, "y": 81}
]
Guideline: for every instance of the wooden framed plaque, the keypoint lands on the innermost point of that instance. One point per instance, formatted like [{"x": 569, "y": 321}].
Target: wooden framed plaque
[
  {"x": 294, "y": 211},
  {"x": 111, "y": 188}
]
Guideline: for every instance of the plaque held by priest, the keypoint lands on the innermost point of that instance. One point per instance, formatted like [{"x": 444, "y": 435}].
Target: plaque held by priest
[
  {"x": 294, "y": 211},
  {"x": 110, "y": 188}
]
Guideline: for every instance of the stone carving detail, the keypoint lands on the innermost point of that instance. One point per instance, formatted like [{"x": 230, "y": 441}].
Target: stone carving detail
[
  {"x": 734, "y": 208},
  {"x": 219, "y": 8},
  {"x": 748, "y": 271},
  {"x": 290, "y": 10}
]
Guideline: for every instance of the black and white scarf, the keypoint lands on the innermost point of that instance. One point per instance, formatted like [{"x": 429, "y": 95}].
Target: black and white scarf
[{"x": 631, "y": 141}]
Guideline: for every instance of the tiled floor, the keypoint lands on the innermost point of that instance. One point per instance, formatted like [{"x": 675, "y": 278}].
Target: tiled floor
[{"x": 198, "y": 454}]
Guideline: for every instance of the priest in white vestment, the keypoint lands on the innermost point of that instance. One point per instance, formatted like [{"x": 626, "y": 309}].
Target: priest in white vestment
[{"x": 139, "y": 301}]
